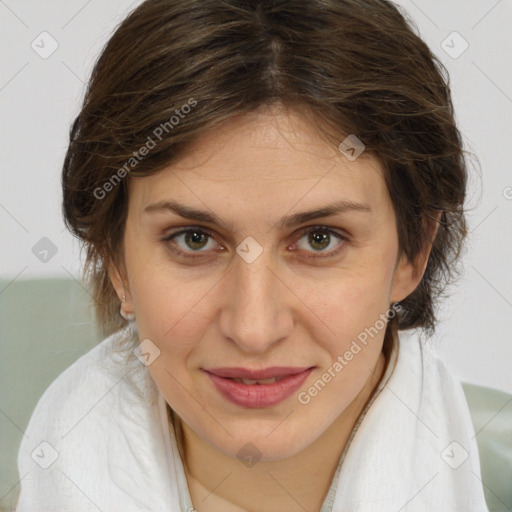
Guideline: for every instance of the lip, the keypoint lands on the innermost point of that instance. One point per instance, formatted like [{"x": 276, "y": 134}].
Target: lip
[
  {"x": 265, "y": 373},
  {"x": 258, "y": 395}
]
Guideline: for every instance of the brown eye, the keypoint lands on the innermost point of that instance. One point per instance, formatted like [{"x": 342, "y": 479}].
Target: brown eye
[
  {"x": 196, "y": 239},
  {"x": 188, "y": 241},
  {"x": 321, "y": 240}
]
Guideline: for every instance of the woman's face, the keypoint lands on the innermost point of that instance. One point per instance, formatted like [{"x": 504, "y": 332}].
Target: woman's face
[{"x": 259, "y": 282}]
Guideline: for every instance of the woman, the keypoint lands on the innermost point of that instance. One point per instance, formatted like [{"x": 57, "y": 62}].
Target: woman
[{"x": 270, "y": 196}]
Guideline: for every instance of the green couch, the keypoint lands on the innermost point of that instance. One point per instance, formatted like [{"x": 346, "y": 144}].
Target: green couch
[{"x": 45, "y": 325}]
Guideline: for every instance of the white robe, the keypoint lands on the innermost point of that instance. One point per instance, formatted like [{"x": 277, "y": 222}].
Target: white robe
[{"x": 99, "y": 440}]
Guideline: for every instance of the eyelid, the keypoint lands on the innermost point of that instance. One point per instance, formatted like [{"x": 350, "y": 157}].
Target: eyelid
[
  {"x": 342, "y": 236},
  {"x": 181, "y": 231}
]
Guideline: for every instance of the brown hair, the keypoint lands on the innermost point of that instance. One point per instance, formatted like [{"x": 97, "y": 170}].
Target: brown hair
[{"x": 354, "y": 66}]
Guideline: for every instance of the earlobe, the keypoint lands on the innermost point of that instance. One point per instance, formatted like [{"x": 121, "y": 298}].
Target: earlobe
[{"x": 119, "y": 282}]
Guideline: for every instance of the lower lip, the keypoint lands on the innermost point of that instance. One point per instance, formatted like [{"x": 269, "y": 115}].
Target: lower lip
[{"x": 259, "y": 395}]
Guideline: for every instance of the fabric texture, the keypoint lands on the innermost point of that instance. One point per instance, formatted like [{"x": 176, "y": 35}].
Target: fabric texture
[{"x": 99, "y": 439}]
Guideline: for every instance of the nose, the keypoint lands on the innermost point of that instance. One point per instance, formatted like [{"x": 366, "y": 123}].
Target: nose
[{"x": 257, "y": 311}]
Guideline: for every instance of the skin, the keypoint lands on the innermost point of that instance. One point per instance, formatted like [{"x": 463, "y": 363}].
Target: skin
[{"x": 283, "y": 309}]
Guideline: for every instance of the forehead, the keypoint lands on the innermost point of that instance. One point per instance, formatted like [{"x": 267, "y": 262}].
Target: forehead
[{"x": 261, "y": 157}]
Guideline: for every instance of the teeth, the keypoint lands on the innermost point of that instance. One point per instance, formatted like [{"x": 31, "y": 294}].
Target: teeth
[
  {"x": 252, "y": 381},
  {"x": 266, "y": 381},
  {"x": 249, "y": 381}
]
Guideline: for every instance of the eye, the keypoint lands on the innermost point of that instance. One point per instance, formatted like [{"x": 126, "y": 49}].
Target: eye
[
  {"x": 191, "y": 240},
  {"x": 194, "y": 242},
  {"x": 322, "y": 240}
]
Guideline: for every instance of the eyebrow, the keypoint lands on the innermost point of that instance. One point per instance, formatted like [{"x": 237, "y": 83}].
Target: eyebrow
[{"x": 286, "y": 222}]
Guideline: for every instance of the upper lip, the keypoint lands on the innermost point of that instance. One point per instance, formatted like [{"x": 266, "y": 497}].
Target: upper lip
[{"x": 265, "y": 373}]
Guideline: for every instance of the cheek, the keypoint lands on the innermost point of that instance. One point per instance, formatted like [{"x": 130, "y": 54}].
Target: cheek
[
  {"x": 171, "y": 307},
  {"x": 351, "y": 301},
  {"x": 355, "y": 312},
  {"x": 169, "y": 311},
  {"x": 164, "y": 301},
  {"x": 171, "y": 314}
]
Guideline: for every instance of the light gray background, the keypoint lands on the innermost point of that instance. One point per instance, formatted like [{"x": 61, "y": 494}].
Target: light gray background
[{"x": 40, "y": 97}]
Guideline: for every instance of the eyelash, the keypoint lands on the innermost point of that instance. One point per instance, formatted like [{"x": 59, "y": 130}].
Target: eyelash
[{"x": 306, "y": 231}]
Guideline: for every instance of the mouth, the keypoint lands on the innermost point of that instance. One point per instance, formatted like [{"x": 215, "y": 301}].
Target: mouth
[
  {"x": 273, "y": 372},
  {"x": 258, "y": 388},
  {"x": 257, "y": 381}
]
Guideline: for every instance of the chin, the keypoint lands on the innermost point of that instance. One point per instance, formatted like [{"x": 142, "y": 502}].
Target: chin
[{"x": 262, "y": 446}]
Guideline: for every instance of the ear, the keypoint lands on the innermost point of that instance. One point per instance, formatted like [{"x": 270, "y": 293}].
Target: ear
[
  {"x": 119, "y": 281},
  {"x": 408, "y": 274}
]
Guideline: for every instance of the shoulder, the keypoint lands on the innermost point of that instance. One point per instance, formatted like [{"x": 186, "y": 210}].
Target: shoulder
[
  {"x": 94, "y": 371},
  {"x": 424, "y": 379},
  {"x": 97, "y": 430},
  {"x": 421, "y": 417},
  {"x": 87, "y": 392},
  {"x": 418, "y": 355}
]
